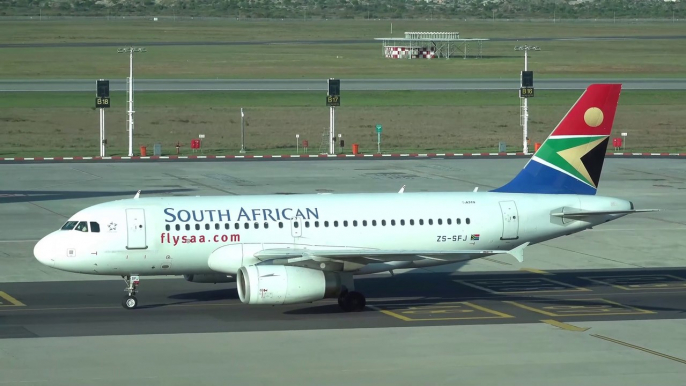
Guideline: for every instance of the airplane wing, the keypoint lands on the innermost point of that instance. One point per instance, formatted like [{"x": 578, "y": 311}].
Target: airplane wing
[{"x": 366, "y": 256}]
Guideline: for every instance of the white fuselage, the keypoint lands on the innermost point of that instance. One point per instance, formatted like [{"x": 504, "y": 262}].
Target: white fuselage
[{"x": 176, "y": 235}]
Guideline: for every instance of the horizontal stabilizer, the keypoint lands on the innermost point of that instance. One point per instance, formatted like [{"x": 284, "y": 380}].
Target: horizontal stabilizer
[{"x": 601, "y": 212}]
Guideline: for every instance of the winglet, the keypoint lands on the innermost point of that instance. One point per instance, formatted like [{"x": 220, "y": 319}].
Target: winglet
[
  {"x": 138, "y": 194},
  {"x": 518, "y": 252},
  {"x": 402, "y": 189}
]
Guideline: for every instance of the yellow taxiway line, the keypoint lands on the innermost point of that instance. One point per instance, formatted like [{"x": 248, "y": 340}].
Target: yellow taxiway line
[
  {"x": 564, "y": 326},
  {"x": 11, "y": 300}
]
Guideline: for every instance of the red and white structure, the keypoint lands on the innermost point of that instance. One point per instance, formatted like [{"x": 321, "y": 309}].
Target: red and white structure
[
  {"x": 429, "y": 45},
  {"x": 396, "y": 52}
]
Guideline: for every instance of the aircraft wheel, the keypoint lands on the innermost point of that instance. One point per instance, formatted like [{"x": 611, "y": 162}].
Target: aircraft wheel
[
  {"x": 353, "y": 302},
  {"x": 129, "y": 302},
  {"x": 341, "y": 298}
]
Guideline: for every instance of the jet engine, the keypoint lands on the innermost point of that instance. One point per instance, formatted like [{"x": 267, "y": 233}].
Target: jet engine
[
  {"x": 279, "y": 284},
  {"x": 210, "y": 278}
]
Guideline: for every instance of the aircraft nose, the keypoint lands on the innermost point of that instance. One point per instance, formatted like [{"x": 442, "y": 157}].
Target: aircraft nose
[{"x": 43, "y": 251}]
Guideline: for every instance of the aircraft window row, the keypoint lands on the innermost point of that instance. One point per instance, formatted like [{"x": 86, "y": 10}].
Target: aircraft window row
[
  {"x": 81, "y": 226},
  {"x": 325, "y": 224}
]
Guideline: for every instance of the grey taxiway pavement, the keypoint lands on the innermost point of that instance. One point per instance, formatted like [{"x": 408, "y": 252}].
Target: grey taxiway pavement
[
  {"x": 604, "y": 306},
  {"x": 320, "y": 41},
  {"x": 142, "y": 85},
  {"x": 31, "y": 309}
]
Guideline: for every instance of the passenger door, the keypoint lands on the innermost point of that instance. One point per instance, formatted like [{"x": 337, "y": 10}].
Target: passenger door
[{"x": 135, "y": 229}]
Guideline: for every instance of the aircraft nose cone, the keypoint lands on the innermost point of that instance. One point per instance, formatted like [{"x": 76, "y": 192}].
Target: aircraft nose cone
[{"x": 43, "y": 252}]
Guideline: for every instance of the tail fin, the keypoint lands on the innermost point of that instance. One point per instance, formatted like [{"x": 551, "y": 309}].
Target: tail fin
[{"x": 571, "y": 158}]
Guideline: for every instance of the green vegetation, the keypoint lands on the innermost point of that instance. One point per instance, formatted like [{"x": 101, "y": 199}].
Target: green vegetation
[
  {"x": 222, "y": 99},
  {"x": 348, "y": 9},
  {"x": 53, "y": 124},
  {"x": 166, "y": 30},
  {"x": 66, "y": 124},
  {"x": 569, "y": 58}
]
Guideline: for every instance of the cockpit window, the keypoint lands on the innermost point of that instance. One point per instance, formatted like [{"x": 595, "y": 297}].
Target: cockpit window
[
  {"x": 82, "y": 226},
  {"x": 95, "y": 227},
  {"x": 69, "y": 225}
]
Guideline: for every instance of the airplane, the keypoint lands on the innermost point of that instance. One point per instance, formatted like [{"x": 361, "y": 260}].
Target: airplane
[{"x": 307, "y": 247}]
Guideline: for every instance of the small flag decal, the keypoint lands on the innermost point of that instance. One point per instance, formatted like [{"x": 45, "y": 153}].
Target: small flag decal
[{"x": 475, "y": 237}]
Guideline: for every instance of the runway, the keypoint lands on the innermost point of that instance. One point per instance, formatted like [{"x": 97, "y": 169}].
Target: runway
[
  {"x": 68, "y": 309},
  {"x": 318, "y": 41},
  {"x": 145, "y": 85},
  {"x": 605, "y": 306}
]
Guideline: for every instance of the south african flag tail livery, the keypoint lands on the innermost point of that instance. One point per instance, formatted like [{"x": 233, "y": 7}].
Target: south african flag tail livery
[{"x": 571, "y": 158}]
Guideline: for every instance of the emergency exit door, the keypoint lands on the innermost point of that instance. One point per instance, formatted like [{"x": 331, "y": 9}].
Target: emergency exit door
[
  {"x": 135, "y": 229},
  {"x": 510, "y": 220}
]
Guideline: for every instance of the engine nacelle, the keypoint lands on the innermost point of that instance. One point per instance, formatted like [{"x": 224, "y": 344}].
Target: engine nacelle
[
  {"x": 209, "y": 278},
  {"x": 279, "y": 284}
]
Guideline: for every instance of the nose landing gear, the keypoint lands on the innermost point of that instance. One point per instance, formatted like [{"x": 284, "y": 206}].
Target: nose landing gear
[{"x": 130, "y": 302}]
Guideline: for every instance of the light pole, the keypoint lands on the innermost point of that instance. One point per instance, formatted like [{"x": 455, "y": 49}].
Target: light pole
[
  {"x": 130, "y": 50},
  {"x": 242, "y": 132},
  {"x": 673, "y": 5},
  {"x": 525, "y": 106}
]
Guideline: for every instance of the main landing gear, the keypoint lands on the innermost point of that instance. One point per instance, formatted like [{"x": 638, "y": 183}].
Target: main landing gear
[
  {"x": 130, "y": 302},
  {"x": 351, "y": 301}
]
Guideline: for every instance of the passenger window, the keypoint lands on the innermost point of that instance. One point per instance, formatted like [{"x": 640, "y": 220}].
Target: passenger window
[
  {"x": 326, "y": 224},
  {"x": 246, "y": 226},
  {"x": 393, "y": 222},
  {"x": 335, "y": 223},
  {"x": 82, "y": 226},
  {"x": 216, "y": 226},
  {"x": 431, "y": 222},
  {"x": 374, "y": 222},
  {"x": 167, "y": 227},
  {"x": 280, "y": 224},
  {"x": 449, "y": 221},
  {"x": 207, "y": 227},
  {"x": 295, "y": 224},
  {"x": 307, "y": 224},
  {"x": 95, "y": 227},
  {"x": 316, "y": 224},
  {"x": 69, "y": 225},
  {"x": 188, "y": 227},
  {"x": 345, "y": 223},
  {"x": 421, "y": 221},
  {"x": 178, "y": 227},
  {"x": 236, "y": 226},
  {"x": 364, "y": 222},
  {"x": 467, "y": 220},
  {"x": 257, "y": 225},
  {"x": 411, "y": 222},
  {"x": 440, "y": 222},
  {"x": 402, "y": 222},
  {"x": 383, "y": 222},
  {"x": 458, "y": 221},
  {"x": 354, "y": 223},
  {"x": 227, "y": 225},
  {"x": 197, "y": 227}
]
